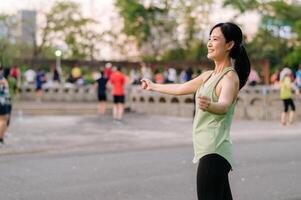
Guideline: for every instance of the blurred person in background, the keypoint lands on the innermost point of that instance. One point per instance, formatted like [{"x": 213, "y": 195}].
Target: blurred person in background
[
  {"x": 286, "y": 87},
  {"x": 108, "y": 70},
  {"x": 189, "y": 73},
  {"x": 5, "y": 105},
  {"x": 182, "y": 76},
  {"x": 186, "y": 75},
  {"x": 146, "y": 71},
  {"x": 56, "y": 78},
  {"x": 76, "y": 73},
  {"x": 15, "y": 73},
  {"x": 298, "y": 78},
  {"x": 40, "y": 80},
  {"x": 275, "y": 78},
  {"x": 118, "y": 80},
  {"x": 29, "y": 76},
  {"x": 101, "y": 86},
  {"x": 134, "y": 76},
  {"x": 171, "y": 75},
  {"x": 96, "y": 74},
  {"x": 159, "y": 78},
  {"x": 253, "y": 78}
]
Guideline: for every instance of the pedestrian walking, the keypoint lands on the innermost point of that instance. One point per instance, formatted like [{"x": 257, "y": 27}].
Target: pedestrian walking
[
  {"x": 101, "y": 85},
  {"x": 118, "y": 80},
  {"x": 216, "y": 94},
  {"x": 286, "y": 87},
  {"x": 56, "y": 75},
  {"x": 40, "y": 80}
]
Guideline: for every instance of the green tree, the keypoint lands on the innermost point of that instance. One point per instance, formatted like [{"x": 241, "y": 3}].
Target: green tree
[
  {"x": 289, "y": 16},
  {"x": 165, "y": 26},
  {"x": 294, "y": 58},
  {"x": 151, "y": 26},
  {"x": 243, "y": 6},
  {"x": 193, "y": 17},
  {"x": 66, "y": 25},
  {"x": 278, "y": 38}
]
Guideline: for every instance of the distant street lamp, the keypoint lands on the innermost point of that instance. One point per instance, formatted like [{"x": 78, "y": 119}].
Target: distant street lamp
[{"x": 58, "y": 55}]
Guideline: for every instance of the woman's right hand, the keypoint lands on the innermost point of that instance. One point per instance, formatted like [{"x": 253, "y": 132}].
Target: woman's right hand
[{"x": 147, "y": 84}]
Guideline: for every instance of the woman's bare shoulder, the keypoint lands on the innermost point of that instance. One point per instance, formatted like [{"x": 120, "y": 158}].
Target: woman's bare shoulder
[
  {"x": 232, "y": 75},
  {"x": 230, "y": 78}
]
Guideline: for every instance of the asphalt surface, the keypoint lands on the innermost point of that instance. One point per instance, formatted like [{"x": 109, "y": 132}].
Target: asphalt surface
[{"x": 145, "y": 157}]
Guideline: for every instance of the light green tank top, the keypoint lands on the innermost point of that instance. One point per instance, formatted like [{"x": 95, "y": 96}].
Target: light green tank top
[
  {"x": 211, "y": 132},
  {"x": 285, "y": 88}
]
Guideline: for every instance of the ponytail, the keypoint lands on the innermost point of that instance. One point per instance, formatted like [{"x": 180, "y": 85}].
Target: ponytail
[
  {"x": 241, "y": 65},
  {"x": 232, "y": 32}
]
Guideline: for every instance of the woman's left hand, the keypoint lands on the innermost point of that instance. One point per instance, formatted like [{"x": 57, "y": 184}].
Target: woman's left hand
[{"x": 204, "y": 103}]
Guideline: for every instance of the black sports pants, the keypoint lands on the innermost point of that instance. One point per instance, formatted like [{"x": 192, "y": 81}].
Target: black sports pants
[
  {"x": 288, "y": 103},
  {"x": 212, "y": 178}
]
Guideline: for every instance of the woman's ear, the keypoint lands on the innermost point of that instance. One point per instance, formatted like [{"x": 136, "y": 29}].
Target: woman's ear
[{"x": 229, "y": 45}]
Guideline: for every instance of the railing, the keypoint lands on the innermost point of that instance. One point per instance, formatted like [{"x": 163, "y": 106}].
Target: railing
[
  {"x": 258, "y": 103},
  {"x": 64, "y": 94}
]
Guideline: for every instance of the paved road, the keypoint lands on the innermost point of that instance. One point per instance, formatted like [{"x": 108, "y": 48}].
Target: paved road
[{"x": 147, "y": 157}]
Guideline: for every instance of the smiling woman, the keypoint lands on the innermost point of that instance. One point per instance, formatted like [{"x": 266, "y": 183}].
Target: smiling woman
[{"x": 216, "y": 95}]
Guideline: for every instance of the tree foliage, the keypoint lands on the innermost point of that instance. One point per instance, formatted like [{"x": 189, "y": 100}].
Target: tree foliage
[
  {"x": 66, "y": 26},
  {"x": 244, "y": 5},
  {"x": 194, "y": 17},
  {"x": 151, "y": 26},
  {"x": 165, "y": 26},
  {"x": 279, "y": 36}
]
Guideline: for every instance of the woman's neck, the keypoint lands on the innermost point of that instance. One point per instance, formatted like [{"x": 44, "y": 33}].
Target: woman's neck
[{"x": 221, "y": 64}]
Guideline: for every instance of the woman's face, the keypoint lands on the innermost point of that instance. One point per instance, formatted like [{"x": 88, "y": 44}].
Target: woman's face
[{"x": 217, "y": 46}]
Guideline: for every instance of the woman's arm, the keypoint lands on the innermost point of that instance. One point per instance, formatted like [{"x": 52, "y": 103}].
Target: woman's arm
[
  {"x": 189, "y": 87},
  {"x": 228, "y": 94}
]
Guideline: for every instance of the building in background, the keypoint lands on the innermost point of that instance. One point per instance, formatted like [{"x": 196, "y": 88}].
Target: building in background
[
  {"x": 27, "y": 26},
  {"x": 21, "y": 27}
]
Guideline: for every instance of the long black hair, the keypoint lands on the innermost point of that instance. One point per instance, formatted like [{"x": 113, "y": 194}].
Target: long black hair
[{"x": 232, "y": 32}]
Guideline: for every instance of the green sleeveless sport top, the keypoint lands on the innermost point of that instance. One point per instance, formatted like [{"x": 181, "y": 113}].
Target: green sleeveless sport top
[{"x": 211, "y": 132}]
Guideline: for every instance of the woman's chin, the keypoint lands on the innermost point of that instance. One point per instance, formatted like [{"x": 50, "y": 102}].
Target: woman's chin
[{"x": 209, "y": 56}]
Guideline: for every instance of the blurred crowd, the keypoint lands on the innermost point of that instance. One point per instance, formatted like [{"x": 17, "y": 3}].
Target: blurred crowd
[
  {"x": 256, "y": 78},
  {"x": 40, "y": 78},
  {"x": 116, "y": 77},
  {"x": 80, "y": 76}
]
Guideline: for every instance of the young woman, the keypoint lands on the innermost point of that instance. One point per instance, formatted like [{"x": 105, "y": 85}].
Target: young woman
[{"x": 216, "y": 94}]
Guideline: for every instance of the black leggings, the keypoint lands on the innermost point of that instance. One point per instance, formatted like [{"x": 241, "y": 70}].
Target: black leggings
[
  {"x": 288, "y": 103},
  {"x": 212, "y": 178}
]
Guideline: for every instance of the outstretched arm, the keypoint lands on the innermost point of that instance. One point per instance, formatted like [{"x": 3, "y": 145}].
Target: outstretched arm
[{"x": 189, "y": 87}]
